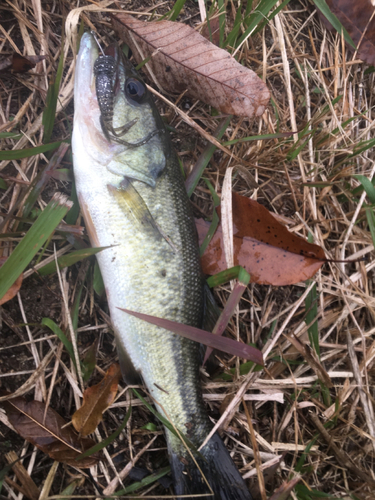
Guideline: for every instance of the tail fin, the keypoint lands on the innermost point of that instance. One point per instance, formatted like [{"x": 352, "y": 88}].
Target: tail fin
[{"x": 217, "y": 467}]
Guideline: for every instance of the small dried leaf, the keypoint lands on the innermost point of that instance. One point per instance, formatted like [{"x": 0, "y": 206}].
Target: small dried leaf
[
  {"x": 187, "y": 61},
  {"x": 20, "y": 64},
  {"x": 49, "y": 434},
  {"x": 265, "y": 248},
  {"x": 96, "y": 400},
  {"x": 283, "y": 492},
  {"x": 355, "y": 17},
  {"x": 13, "y": 290}
]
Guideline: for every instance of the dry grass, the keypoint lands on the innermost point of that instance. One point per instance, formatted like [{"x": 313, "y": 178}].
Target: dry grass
[{"x": 270, "y": 417}]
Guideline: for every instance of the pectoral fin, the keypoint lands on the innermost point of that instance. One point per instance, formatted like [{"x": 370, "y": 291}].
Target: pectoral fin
[{"x": 131, "y": 202}]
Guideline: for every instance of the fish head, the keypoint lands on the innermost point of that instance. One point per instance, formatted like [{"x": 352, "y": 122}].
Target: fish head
[{"x": 116, "y": 115}]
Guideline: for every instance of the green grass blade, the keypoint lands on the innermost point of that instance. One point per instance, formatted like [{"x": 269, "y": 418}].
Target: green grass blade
[
  {"x": 371, "y": 223},
  {"x": 10, "y": 135},
  {"x": 221, "y": 6},
  {"x": 49, "y": 113},
  {"x": 205, "y": 157},
  {"x": 34, "y": 239},
  {"x": 236, "y": 272},
  {"x": 362, "y": 147},
  {"x": 69, "y": 259},
  {"x": 311, "y": 308},
  {"x": 3, "y": 184},
  {"x": 18, "y": 154},
  {"x": 89, "y": 361},
  {"x": 263, "y": 137},
  {"x": 110, "y": 439},
  {"x": 262, "y": 11},
  {"x": 215, "y": 220},
  {"x": 270, "y": 17},
  {"x": 5, "y": 471},
  {"x": 175, "y": 12},
  {"x": 232, "y": 37},
  {"x": 61, "y": 335},
  {"x": 367, "y": 186},
  {"x": 67, "y": 493},
  {"x": 326, "y": 11},
  {"x": 73, "y": 214},
  {"x": 145, "y": 482},
  {"x": 98, "y": 282}
]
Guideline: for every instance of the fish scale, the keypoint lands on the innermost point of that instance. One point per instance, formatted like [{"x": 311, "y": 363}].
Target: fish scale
[{"x": 134, "y": 201}]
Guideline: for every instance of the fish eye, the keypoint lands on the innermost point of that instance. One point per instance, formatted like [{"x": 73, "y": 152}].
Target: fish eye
[{"x": 135, "y": 89}]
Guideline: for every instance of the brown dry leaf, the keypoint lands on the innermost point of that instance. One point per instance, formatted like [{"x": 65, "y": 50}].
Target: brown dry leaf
[
  {"x": 13, "y": 290},
  {"x": 19, "y": 64},
  {"x": 187, "y": 61},
  {"x": 50, "y": 434},
  {"x": 265, "y": 248},
  {"x": 211, "y": 29},
  {"x": 96, "y": 400},
  {"x": 355, "y": 16}
]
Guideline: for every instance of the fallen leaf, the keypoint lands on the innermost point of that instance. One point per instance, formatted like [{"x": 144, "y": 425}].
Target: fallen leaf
[
  {"x": 13, "y": 290},
  {"x": 19, "y": 64},
  {"x": 49, "y": 434},
  {"x": 187, "y": 61},
  {"x": 96, "y": 400},
  {"x": 265, "y": 248},
  {"x": 211, "y": 29},
  {"x": 355, "y": 17}
]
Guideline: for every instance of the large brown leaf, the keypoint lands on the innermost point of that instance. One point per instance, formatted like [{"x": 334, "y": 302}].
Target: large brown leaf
[
  {"x": 49, "y": 434},
  {"x": 96, "y": 400},
  {"x": 270, "y": 253},
  {"x": 354, "y": 15},
  {"x": 187, "y": 61}
]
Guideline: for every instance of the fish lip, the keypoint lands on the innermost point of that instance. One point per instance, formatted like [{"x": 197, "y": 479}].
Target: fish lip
[{"x": 84, "y": 84}]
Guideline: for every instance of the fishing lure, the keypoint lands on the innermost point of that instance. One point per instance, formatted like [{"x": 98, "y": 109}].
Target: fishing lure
[{"x": 105, "y": 72}]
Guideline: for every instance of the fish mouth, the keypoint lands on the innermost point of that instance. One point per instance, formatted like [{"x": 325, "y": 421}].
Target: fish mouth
[{"x": 84, "y": 84}]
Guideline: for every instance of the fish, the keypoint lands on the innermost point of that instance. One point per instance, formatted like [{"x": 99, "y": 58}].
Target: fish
[{"x": 132, "y": 196}]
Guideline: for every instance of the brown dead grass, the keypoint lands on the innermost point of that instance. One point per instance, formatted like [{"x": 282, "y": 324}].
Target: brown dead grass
[{"x": 285, "y": 405}]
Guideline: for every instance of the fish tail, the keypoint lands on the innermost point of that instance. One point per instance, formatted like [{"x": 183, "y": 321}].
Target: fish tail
[{"x": 218, "y": 468}]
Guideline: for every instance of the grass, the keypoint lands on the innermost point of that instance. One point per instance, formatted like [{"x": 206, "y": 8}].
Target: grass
[{"x": 311, "y": 162}]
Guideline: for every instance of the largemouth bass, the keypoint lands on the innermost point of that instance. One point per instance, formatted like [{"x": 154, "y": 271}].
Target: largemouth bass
[{"x": 133, "y": 200}]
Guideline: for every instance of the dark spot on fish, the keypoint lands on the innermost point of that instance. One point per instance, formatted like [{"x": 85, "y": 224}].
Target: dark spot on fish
[
  {"x": 164, "y": 273},
  {"x": 160, "y": 388}
]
